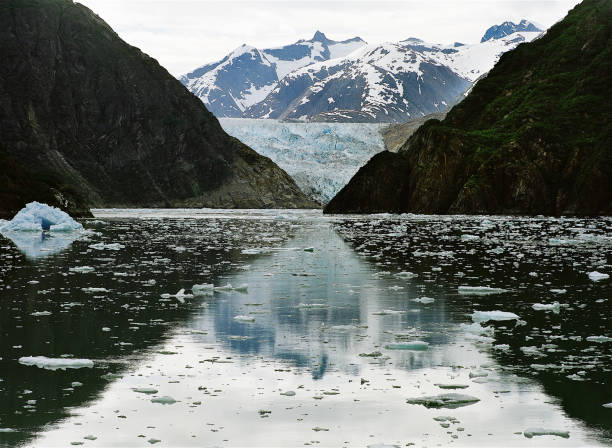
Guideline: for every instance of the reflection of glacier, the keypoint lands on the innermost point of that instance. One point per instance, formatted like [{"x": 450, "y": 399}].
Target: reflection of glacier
[
  {"x": 321, "y": 157},
  {"x": 321, "y": 309},
  {"x": 41, "y": 244}
]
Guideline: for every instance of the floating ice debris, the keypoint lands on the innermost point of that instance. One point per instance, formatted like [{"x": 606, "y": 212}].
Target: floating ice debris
[
  {"x": 81, "y": 269},
  {"x": 607, "y": 405},
  {"x": 370, "y": 355},
  {"x": 485, "y": 316},
  {"x": 597, "y": 276},
  {"x": 145, "y": 390},
  {"x": 205, "y": 289},
  {"x": 289, "y": 393},
  {"x": 7, "y": 430},
  {"x": 250, "y": 251},
  {"x": 554, "y": 307},
  {"x": 452, "y": 386},
  {"x": 180, "y": 296},
  {"x": 599, "y": 339},
  {"x": 153, "y": 441},
  {"x": 227, "y": 287},
  {"x": 90, "y": 437},
  {"x": 480, "y": 290},
  {"x": 163, "y": 400},
  {"x": 242, "y": 318},
  {"x": 94, "y": 289},
  {"x": 405, "y": 274},
  {"x": 318, "y": 428},
  {"x": 424, "y": 300},
  {"x": 242, "y": 288},
  {"x": 109, "y": 246},
  {"x": 450, "y": 401},
  {"x": 558, "y": 291},
  {"x": 55, "y": 363},
  {"x": 477, "y": 328},
  {"x": 468, "y": 237},
  {"x": 106, "y": 329},
  {"x": 312, "y": 305},
  {"x": 35, "y": 217},
  {"x": 413, "y": 345},
  {"x": 40, "y": 313},
  {"x": 530, "y": 432}
]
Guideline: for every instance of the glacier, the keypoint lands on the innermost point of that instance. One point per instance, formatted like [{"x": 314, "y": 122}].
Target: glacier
[{"x": 321, "y": 157}]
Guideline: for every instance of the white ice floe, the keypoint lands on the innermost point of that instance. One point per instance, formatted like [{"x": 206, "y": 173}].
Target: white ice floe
[
  {"x": 82, "y": 269},
  {"x": 424, "y": 300},
  {"x": 484, "y": 316},
  {"x": 205, "y": 289},
  {"x": 530, "y": 432},
  {"x": 35, "y": 217},
  {"x": 480, "y": 290},
  {"x": 55, "y": 363},
  {"x": 242, "y": 318},
  {"x": 406, "y": 274},
  {"x": 109, "y": 246},
  {"x": 145, "y": 390},
  {"x": 412, "y": 345},
  {"x": 597, "y": 276},
  {"x": 607, "y": 405},
  {"x": 599, "y": 339},
  {"x": 163, "y": 400},
  {"x": 554, "y": 307},
  {"x": 477, "y": 328},
  {"x": 40, "y": 313},
  {"x": 180, "y": 296}
]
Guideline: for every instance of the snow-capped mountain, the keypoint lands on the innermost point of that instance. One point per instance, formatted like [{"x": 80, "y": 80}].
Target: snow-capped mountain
[
  {"x": 327, "y": 81},
  {"x": 508, "y": 28},
  {"x": 392, "y": 82},
  {"x": 247, "y": 75}
]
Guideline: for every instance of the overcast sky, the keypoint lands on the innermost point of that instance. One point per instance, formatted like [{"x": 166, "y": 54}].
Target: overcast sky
[{"x": 185, "y": 34}]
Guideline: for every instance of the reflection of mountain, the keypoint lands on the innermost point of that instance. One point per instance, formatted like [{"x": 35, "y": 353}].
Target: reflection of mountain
[
  {"x": 131, "y": 307},
  {"x": 320, "y": 309}
]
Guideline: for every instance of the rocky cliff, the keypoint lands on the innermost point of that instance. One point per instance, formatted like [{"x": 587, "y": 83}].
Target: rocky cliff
[
  {"x": 533, "y": 137},
  {"x": 79, "y": 105}
]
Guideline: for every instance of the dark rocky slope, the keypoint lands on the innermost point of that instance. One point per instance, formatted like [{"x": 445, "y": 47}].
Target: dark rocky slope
[
  {"x": 533, "y": 137},
  {"x": 79, "y": 105}
]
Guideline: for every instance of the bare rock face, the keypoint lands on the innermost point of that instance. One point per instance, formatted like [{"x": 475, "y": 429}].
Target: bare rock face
[
  {"x": 106, "y": 121},
  {"x": 533, "y": 137}
]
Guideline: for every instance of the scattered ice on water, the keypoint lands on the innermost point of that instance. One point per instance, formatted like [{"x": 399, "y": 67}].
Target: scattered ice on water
[
  {"x": 109, "y": 246},
  {"x": 480, "y": 290}
]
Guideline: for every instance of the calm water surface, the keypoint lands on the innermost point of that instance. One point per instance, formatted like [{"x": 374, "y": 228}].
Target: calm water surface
[{"x": 313, "y": 348}]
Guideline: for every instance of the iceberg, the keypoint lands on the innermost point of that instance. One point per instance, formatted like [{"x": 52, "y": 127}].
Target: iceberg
[
  {"x": 450, "y": 401},
  {"x": 530, "y": 432},
  {"x": 39, "y": 230},
  {"x": 485, "y": 316},
  {"x": 36, "y": 217},
  {"x": 55, "y": 363}
]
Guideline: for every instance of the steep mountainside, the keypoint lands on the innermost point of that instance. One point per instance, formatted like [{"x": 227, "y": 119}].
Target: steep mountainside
[
  {"x": 533, "y": 137},
  {"x": 395, "y": 135},
  {"x": 247, "y": 75},
  {"x": 393, "y": 82},
  {"x": 79, "y": 105}
]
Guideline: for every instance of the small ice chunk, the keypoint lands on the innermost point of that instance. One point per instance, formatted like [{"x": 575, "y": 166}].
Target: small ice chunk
[
  {"x": 558, "y": 291},
  {"x": 227, "y": 287},
  {"x": 597, "y": 276},
  {"x": 530, "y": 432},
  {"x": 424, "y": 300},
  {"x": 412, "y": 345},
  {"x": 485, "y": 316},
  {"x": 145, "y": 390},
  {"x": 250, "y": 251},
  {"x": 55, "y": 363},
  {"x": 468, "y": 237},
  {"x": 607, "y": 405},
  {"x": 242, "y": 288},
  {"x": 477, "y": 328},
  {"x": 289, "y": 393},
  {"x": 205, "y": 289},
  {"x": 35, "y": 217},
  {"x": 242, "y": 318},
  {"x": 450, "y": 401},
  {"x": 599, "y": 339},
  {"x": 480, "y": 290},
  {"x": 554, "y": 307},
  {"x": 40, "y": 313},
  {"x": 109, "y": 246},
  {"x": 406, "y": 274},
  {"x": 81, "y": 269},
  {"x": 163, "y": 400},
  {"x": 180, "y": 296},
  {"x": 94, "y": 290}
]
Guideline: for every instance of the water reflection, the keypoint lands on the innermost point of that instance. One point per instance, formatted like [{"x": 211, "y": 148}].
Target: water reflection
[
  {"x": 36, "y": 245},
  {"x": 318, "y": 323}
]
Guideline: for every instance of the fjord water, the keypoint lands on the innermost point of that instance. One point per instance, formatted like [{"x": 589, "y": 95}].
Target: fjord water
[{"x": 334, "y": 334}]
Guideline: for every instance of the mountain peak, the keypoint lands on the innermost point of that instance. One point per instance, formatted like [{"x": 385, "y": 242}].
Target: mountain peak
[
  {"x": 319, "y": 37},
  {"x": 507, "y": 28}
]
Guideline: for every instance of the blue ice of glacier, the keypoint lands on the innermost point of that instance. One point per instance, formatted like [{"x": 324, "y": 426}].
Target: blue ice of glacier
[
  {"x": 321, "y": 157},
  {"x": 36, "y": 217},
  {"x": 39, "y": 230}
]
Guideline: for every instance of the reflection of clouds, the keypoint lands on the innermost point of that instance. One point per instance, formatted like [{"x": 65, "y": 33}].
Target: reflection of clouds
[{"x": 37, "y": 245}]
